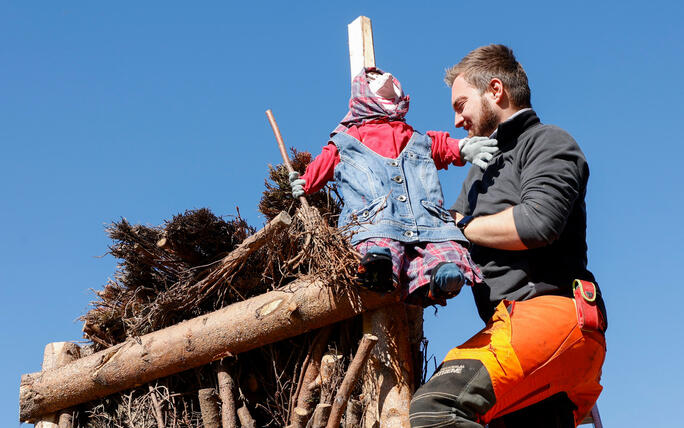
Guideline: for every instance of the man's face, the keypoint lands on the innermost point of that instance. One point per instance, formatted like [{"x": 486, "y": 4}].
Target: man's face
[{"x": 474, "y": 111}]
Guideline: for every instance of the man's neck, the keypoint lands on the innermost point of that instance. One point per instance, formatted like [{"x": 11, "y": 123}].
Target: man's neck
[{"x": 510, "y": 114}]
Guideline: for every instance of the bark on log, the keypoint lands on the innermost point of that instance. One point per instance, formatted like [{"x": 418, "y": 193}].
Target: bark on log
[
  {"x": 226, "y": 385},
  {"x": 353, "y": 372},
  {"x": 309, "y": 374},
  {"x": 209, "y": 407},
  {"x": 246, "y": 419},
  {"x": 58, "y": 354},
  {"x": 352, "y": 417},
  {"x": 240, "y": 327},
  {"x": 389, "y": 376},
  {"x": 320, "y": 416}
]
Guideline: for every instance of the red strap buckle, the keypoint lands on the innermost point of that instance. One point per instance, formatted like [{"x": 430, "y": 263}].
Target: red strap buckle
[{"x": 587, "y": 289}]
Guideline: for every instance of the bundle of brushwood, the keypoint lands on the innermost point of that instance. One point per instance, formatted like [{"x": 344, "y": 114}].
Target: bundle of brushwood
[{"x": 198, "y": 262}]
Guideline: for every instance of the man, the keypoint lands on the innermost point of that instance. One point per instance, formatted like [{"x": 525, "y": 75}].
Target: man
[{"x": 524, "y": 214}]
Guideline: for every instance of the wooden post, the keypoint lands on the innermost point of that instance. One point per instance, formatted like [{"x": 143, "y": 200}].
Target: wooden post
[
  {"x": 352, "y": 417},
  {"x": 310, "y": 372},
  {"x": 58, "y": 354},
  {"x": 66, "y": 419},
  {"x": 156, "y": 408},
  {"x": 388, "y": 380},
  {"x": 226, "y": 385},
  {"x": 299, "y": 418},
  {"x": 320, "y": 416},
  {"x": 246, "y": 419},
  {"x": 307, "y": 304},
  {"x": 361, "y": 51},
  {"x": 329, "y": 361},
  {"x": 209, "y": 407}
]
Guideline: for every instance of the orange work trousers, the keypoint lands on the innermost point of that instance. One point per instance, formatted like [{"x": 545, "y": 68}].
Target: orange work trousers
[{"x": 534, "y": 349}]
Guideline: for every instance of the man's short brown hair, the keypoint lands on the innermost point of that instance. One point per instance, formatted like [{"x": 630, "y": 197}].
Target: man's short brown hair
[{"x": 483, "y": 64}]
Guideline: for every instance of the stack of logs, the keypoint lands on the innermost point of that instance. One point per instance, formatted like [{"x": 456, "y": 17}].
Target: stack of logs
[
  {"x": 220, "y": 410},
  {"x": 305, "y": 305}
]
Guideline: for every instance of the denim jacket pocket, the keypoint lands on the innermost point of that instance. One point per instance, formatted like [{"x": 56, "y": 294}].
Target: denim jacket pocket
[
  {"x": 368, "y": 213},
  {"x": 438, "y": 211}
]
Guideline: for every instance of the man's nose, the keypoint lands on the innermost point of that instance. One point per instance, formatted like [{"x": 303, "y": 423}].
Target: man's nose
[{"x": 458, "y": 121}]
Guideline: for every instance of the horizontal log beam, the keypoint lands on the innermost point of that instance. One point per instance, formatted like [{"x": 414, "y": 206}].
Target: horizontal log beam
[{"x": 268, "y": 318}]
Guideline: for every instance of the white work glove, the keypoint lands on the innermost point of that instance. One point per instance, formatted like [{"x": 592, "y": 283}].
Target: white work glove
[
  {"x": 297, "y": 184},
  {"x": 478, "y": 150}
]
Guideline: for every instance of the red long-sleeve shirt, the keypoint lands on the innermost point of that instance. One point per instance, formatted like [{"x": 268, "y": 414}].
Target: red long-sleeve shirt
[{"x": 385, "y": 138}]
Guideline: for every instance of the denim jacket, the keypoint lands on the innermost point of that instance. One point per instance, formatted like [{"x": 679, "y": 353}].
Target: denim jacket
[{"x": 400, "y": 198}]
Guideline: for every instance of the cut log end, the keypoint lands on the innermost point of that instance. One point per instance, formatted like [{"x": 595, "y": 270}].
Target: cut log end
[
  {"x": 246, "y": 419},
  {"x": 321, "y": 415},
  {"x": 163, "y": 243},
  {"x": 299, "y": 417}
]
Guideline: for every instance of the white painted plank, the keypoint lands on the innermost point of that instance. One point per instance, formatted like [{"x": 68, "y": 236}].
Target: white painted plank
[{"x": 361, "y": 51}]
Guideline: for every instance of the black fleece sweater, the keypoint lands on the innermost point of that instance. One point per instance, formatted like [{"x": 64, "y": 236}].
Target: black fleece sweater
[{"x": 541, "y": 172}]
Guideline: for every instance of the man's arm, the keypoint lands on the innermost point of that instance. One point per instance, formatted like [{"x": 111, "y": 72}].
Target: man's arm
[
  {"x": 553, "y": 173},
  {"x": 494, "y": 231}
]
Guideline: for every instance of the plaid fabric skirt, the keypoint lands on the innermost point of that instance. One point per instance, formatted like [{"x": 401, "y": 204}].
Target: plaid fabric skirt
[{"x": 413, "y": 263}]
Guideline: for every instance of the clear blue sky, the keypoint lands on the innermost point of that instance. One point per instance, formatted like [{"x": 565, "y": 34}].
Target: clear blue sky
[{"x": 145, "y": 111}]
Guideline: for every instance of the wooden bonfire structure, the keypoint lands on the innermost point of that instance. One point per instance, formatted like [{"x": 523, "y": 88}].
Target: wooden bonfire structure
[{"x": 357, "y": 354}]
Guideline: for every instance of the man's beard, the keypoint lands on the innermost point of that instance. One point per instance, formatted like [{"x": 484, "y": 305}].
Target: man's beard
[{"x": 487, "y": 123}]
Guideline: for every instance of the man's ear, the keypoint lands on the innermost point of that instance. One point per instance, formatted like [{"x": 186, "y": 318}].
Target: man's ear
[{"x": 496, "y": 90}]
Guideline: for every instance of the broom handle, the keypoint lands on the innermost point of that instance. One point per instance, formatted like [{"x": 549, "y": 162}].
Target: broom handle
[{"x": 283, "y": 151}]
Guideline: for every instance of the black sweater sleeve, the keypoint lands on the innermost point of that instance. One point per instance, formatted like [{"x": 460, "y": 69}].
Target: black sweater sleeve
[{"x": 553, "y": 173}]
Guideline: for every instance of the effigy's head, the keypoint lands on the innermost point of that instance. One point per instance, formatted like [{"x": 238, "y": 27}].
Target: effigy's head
[{"x": 375, "y": 95}]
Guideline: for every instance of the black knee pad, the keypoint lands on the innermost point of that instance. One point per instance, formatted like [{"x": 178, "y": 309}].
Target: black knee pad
[{"x": 459, "y": 392}]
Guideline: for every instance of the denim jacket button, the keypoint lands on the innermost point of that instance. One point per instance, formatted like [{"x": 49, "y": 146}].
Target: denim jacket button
[
  {"x": 398, "y": 179},
  {"x": 408, "y": 233},
  {"x": 365, "y": 214},
  {"x": 402, "y": 198},
  {"x": 394, "y": 163}
]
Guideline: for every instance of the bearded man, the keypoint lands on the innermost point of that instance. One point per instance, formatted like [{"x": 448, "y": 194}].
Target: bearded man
[{"x": 538, "y": 360}]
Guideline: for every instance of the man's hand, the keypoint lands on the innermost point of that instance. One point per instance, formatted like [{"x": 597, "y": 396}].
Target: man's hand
[
  {"x": 297, "y": 184},
  {"x": 478, "y": 150}
]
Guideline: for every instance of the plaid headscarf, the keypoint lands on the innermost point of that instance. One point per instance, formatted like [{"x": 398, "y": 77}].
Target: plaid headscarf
[{"x": 364, "y": 105}]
